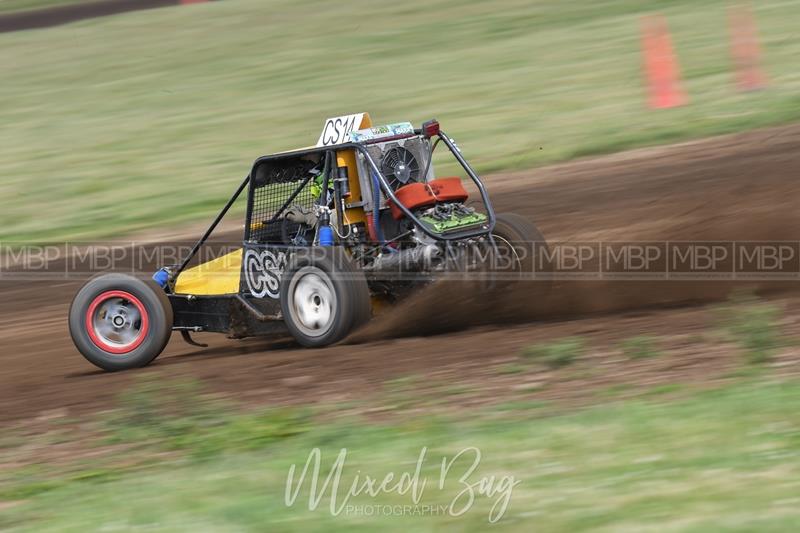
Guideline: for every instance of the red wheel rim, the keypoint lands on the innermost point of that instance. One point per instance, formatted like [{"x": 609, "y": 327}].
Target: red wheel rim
[{"x": 117, "y": 322}]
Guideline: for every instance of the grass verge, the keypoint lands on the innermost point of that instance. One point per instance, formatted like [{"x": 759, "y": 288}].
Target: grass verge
[
  {"x": 159, "y": 128},
  {"x": 754, "y": 325},
  {"x": 555, "y": 354},
  {"x": 723, "y": 459}
]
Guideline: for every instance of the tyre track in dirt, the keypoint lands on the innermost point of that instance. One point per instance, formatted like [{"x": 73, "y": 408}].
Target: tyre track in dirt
[{"x": 740, "y": 187}]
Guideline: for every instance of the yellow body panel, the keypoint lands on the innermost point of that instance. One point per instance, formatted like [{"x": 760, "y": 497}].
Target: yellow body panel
[
  {"x": 218, "y": 276},
  {"x": 347, "y": 158}
]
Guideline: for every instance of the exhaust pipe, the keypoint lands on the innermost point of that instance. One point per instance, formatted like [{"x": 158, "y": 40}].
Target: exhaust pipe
[{"x": 411, "y": 259}]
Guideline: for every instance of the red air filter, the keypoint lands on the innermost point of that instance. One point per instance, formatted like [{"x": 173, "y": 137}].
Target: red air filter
[{"x": 416, "y": 195}]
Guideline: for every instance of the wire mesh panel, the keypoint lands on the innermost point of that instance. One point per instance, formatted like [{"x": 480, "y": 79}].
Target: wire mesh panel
[{"x": 279, "y": 185}]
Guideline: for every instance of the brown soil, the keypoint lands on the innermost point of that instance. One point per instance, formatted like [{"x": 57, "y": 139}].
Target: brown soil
[
  {"x": 58, "y": 15},
  {"x": 741, "y": 187}
]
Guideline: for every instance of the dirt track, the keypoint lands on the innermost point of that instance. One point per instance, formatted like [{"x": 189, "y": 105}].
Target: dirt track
[
  {"x": 741, "y": 187},
  {"x": 64, "y": 14}
]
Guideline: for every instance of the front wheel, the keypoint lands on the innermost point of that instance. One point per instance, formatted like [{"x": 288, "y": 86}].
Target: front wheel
[
  {"x": 120, "y": 322},
  {"x": 323, "y": 296}
]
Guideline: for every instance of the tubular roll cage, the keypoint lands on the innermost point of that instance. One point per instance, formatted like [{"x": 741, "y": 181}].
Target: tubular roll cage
[{"x": 485, "y": 229}]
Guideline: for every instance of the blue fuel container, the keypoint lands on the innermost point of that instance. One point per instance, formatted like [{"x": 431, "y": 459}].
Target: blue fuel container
[{"x": 325, "y": 236}]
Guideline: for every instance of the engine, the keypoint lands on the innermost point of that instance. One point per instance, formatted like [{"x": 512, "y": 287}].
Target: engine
[
  {"x": 439, "y": 204},
  {"x": 409, "y": 172}
]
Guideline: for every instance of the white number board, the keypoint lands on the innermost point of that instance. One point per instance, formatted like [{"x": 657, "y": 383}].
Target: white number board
[{"x": 337, "y": 129}]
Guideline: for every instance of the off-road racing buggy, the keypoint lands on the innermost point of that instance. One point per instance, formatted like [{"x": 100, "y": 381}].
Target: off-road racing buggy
[{"x": 330, "y": 231}]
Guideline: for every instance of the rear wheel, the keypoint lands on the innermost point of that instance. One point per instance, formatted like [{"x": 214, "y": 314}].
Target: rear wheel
[
  {"x": 120, "y": 322},
  {"x": 324, "y": 296},
  {"x": 520, "y": 249}
]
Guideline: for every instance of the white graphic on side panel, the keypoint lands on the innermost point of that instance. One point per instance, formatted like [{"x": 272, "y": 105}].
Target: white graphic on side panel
[{"x": 263, "y": 271}]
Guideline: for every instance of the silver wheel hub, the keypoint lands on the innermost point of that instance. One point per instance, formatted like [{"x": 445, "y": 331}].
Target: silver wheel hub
[
  {"x": 117, "y": 323},
  {"x": 312, "y": 301}
]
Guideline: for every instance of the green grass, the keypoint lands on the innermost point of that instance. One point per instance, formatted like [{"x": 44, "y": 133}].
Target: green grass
[
  {"x": 555, "y": 354},
  {"x": 510, "y": 369},
  {"x": 754, "y": 325},
  {"x": 640, "y": 347},
  {"x": 128, "y": 122},
  {"x": 756, "y": 329},
  {"x": 720, "y": 460},
  {"x": 175, "y": 416},
  {"x": 667, "y": 388}
]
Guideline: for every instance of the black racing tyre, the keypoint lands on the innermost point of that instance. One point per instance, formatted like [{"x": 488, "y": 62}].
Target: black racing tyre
[
  {"x": 120, "y": 322},
  {"x": 324, "y": 296},
  {"x": 521, "y": 248}
]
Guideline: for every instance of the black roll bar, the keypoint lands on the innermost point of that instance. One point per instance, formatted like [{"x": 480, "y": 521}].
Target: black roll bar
[{"x": 213, "y": 226}]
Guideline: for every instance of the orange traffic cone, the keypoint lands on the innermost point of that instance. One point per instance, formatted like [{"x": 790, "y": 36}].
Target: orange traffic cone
[
  {"x": 660, "y": 64},
  {"x": 745, "y": 51}
]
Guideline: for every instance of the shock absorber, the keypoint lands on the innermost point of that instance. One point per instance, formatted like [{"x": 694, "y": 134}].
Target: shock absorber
[
  {"x": 343, "y": 181},
  {"x": 341, "y": 190}
]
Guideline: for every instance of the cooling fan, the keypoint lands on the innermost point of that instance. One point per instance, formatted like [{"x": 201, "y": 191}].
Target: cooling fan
[{"x": 400, "y": 167}]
